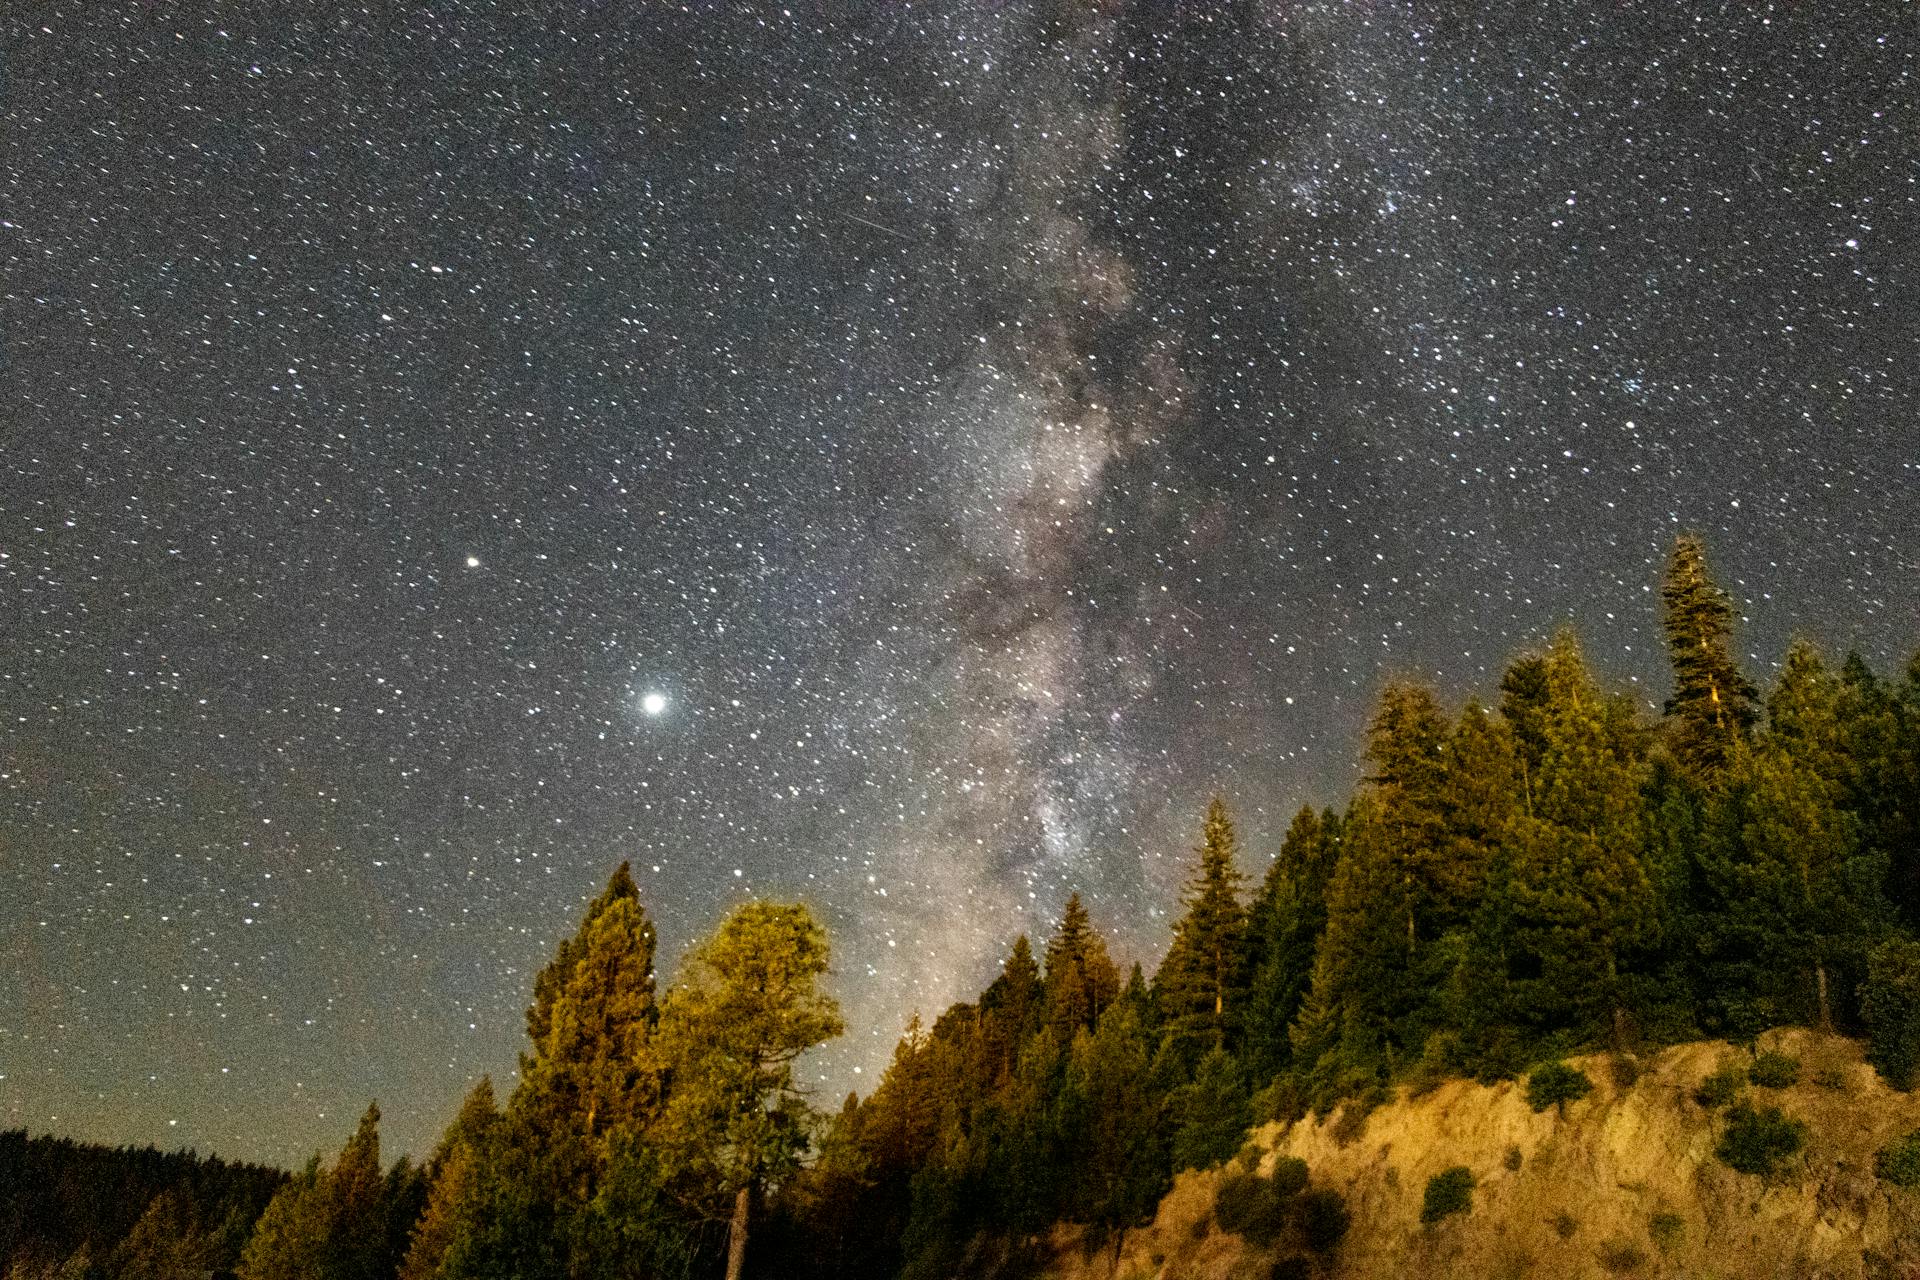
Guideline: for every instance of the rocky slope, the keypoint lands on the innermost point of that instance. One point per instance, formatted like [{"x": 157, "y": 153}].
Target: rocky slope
[{"x": 1625, "y": 1183}]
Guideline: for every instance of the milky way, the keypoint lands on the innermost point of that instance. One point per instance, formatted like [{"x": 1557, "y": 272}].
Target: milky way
[{"x": 903, "y": 456}]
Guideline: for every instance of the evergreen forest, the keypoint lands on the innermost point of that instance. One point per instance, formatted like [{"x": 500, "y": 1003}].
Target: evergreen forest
[{"x": 1543, "y": 871}]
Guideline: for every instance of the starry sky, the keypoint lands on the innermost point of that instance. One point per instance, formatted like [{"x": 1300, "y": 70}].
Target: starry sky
[{"x": 904, "y": 456}]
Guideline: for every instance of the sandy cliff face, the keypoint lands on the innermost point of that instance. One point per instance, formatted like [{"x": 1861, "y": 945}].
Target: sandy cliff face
[{"x": 1625, "y": 1183}]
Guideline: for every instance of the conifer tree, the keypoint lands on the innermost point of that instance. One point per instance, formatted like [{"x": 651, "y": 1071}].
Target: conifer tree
[
  {"x": 1202, "y": 980},
  {"x": 329, "y": 1223},
  {"x": 452, "y": 1173},
  {"x": 746, "y": 1005},
  {"x": 1576, "y": 893},
  {"x": 1713, "y": 704},
  {"x": 169, "y": 1242},
  {"x": 1211, "y": 1113},
  {"x": 1117, "y": 1155},
  {"x": 1795, "y": 897},
  {"x": 1011, "y": 1008},
  {"x": 1284, "y": 925},
  {"x": 1080, "y": 979},
  {"x": 1396, "y": 886},
  {"x": 594, "y": 1011}
]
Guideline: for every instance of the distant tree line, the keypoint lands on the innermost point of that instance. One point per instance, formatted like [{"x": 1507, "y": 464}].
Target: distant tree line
[{"x": 1547, "y": 873}]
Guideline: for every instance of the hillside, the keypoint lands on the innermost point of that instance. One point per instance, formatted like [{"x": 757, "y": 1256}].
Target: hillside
[{"x": 1626, "y": 1183}]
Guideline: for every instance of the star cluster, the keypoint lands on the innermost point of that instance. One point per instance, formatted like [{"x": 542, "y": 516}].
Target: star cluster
[{"x": 901, "y": 455}]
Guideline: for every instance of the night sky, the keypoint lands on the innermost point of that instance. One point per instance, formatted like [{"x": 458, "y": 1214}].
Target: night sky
[{"x": 901, "y": 455}]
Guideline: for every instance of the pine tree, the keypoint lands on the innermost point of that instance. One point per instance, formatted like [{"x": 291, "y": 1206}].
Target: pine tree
[
  {"x": 591, "y": 1076},
  {"x": 169, "y": 1242},
  {"x": 1796, "y": 899},
  {"x": 1212, "y": 1113},
  {"x": 1284, "y": 925},
  {"x": 1713, "y": 704},
  {"x": 329, "y": 1223},
  {"x": 1398, "y": 884},
  {"x": 1080, "y": 979},
  {"x": 1011, "y": 1008},
  {"x": 452, "y": 1174},
  {"x": 1118, "y": 1156},
  {"x": 746, "y": 1005},
  {"x": 594, "y": 1013},
  {"x": 1576, "y": 894},
  {"x": 1202, "y": 980}
]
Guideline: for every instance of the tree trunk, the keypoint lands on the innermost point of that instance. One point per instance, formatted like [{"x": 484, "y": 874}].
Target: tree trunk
[
  {"x": 1826, "y": 1007},
  {"x": 737, "y": 1232}
]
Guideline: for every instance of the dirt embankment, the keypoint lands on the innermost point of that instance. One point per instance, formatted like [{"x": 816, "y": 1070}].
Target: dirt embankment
[{"x": 1624, "y": 1183}]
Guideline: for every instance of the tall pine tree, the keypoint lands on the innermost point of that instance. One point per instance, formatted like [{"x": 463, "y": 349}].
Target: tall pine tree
[
  {"x": 1201, "y": 983},
  {"x": 1713, "y": 705},
  {"x": 1080, "y": 980}
]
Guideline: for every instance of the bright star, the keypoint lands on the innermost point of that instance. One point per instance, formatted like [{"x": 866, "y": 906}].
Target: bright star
[
  {"x": 473, "y": 562},
  {"x": 654, "y": 703}
]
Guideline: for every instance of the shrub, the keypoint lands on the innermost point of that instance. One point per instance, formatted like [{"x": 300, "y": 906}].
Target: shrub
[
  {"x": 1294, "y": 1267},
  {"x": 1758, "y": 1142},
  {"x": 1289, "y": 1176},
  {"x": 1722, "y": 1087},
  {"x": 1251, "y": 1206},
  {"x": 1281, "y": 1102},
  {"x": 1565, "y": 1225},
  {"x": 1618, "y": 1257},
  {"x": 1775, "y": 1070},
  {"x": 1512, "y": 1160},
  {"x": 1667, "y": 1230},
  {"x": 1448, "y": 1192},
  {"x": 1899, "y": 1161},
  {"x": 1890, "y": 1006},
  {"x": 1626, "y": 1070},
  {"x": 1555, "y": 1085},
  {"x": 1323, "y": 1219}
]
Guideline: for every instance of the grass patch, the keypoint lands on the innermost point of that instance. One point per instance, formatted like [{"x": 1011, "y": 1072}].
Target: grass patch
[
  {"x": 1668, "y": 1231},
  {"x": 1775, "y": 1070},
  {"x": 1722, "y": 1087},
  {"x": 1899, "y": 1161},
  {"x": 1448, "y": 1192},
  {"x": 1759, "y": 1142}
]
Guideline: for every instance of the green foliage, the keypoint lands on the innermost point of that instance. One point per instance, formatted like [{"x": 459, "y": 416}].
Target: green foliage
[
  {"x": 1890, "y": 1007},
  {"x": 1513, "y": 1159},
  {"x": 1251, "y": 1206},
  {"x": 1555, "y": 1085},
  {"x": 747, "y": 1003},
  {"x": 1203, "y": 979},
  {"x": 1899, "y": 1161},
  {"x": 1212, "y": 1111},
  {"x": 1722, "y": 1087},
  {"x": 1774, "y": 1070},
  {"x": 1324, "y": 1219},
  {"x": 1281, "y": 1102},
  {"x": 1448, "y": 1192},
  {"x": 1080, "y": 978},
  {"x": 1712, "y": 706},
  {"x": 331, "y": 1222},
  {"x": 1289, "y": 1175},
  {"x": 1758, "y": 1142}
]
